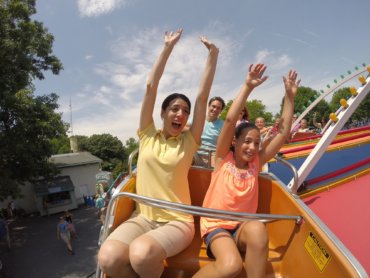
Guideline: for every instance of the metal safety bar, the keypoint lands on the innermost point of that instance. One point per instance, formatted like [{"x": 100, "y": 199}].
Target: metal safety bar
[
  {"x": 207, "y": 212},
  {"x": 200, "y": 155},
  {"x": 294, "y": 187},
  {"x": 196, "y": 210},
  {"x": 130, "y": 160},
  {"x": 193, "y": 210}
]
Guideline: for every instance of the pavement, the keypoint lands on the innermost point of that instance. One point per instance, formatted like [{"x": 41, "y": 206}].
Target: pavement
[{"x": 36, "y": 252}]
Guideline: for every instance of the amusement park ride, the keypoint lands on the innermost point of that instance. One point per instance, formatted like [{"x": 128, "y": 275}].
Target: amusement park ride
[{"x": 301, "y": 243}]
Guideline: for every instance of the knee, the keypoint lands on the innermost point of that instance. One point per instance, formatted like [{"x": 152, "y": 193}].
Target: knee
[
  {"x": 230, "y": 266},
  {"x": 257, "y": 234},
  {"x": 111, "y": 257},
  {"x": 144, "y": 252}
]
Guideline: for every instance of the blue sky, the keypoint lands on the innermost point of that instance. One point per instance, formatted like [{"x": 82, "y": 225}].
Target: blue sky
[{"x": 107, "y": 48}]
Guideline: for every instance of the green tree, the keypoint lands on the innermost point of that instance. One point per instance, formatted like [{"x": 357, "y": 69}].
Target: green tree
[
  {"x": 108, "y": 148},
  {"x": 60, "y": 145},
  {"x": 337, "y": 96},
  {"x": 305, "y": 96},
  {"x": 130, "y": 146},
  {"x": 82, "y": 142},
  {"x": 27, "y": 123},
  {"x": 362, "y": 112},
  {"x": 122, "y": 167},
  {"x": 255, "y": 109},
  {"x": 105, "y": 146}
]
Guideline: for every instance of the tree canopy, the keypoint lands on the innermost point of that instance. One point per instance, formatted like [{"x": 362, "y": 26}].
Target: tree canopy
[
  {"x": 362, "y": 111},
  {"x": 27, "y": 122},
  {"x": 105, "y": 146},
  {"x": 304, "y": 98},
  {"x": 255, "y": 109}
]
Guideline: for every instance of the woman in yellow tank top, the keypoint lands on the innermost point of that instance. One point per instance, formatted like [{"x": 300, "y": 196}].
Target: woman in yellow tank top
[{"x": 139, "y": 245}]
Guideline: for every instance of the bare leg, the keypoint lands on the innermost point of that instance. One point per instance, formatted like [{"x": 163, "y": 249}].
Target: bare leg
[
  {"x": 254, "y": 239},
  {"x": 146, "y": 257},
  {"x": 7, "y": 238},
  {"x": 113, "y": 259},
  {"x": 69, "y": 245},
  {"x": 228, "y": 261}
]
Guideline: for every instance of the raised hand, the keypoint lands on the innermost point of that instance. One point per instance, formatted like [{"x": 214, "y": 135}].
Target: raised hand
[
  {"x": 171, "y": 38},
  {"x": 290, "y": 83},
  {"x": 255, "y": 75},
  {"x": 208, "y": 44}
]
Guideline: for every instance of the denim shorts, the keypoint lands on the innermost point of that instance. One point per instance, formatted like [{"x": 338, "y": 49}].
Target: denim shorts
[{"x": 208, "y": 238}]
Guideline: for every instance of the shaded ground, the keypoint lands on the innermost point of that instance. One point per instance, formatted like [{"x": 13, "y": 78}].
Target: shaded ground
[{"x": 36, "y": 252}]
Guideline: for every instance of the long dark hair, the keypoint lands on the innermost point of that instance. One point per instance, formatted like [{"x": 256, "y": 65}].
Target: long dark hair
[{"x": 240, "y": 128}]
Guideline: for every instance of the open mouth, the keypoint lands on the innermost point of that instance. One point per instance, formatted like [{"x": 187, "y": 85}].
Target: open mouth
[{"x": 176, "y": 126}]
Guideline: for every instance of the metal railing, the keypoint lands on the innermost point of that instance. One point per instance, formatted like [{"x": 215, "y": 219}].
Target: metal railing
[
  {"x": 195, "y": 210},
  {"x": 294, "y": 187}
]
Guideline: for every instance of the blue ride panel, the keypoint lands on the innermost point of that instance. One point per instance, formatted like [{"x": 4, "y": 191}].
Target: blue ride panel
[{"x": 329, "y": 162}]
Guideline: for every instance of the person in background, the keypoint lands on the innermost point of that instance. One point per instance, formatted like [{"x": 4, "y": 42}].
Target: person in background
[
  {"x": 11, "y": 209},
  {"x": 211, "y": 131},
  {"x": 303, "y": 126},
  {"x": 4, "y": 231},
  {"x": 319, "y": 125},
  {"x": 297, "y": 126},
  {"x": 213, "y": 125},
  {"x": 64, "y": 234},
  {"x": 243, "y": 116},
  {"x": 99, "y": 203},
  {"x": 139, "y": 245},
  {"x": 260, "y": 123},
  {"x": 234, "y": 186},
  {"x": 71, "y": 227},
  {"x": 266, "y": 137}
]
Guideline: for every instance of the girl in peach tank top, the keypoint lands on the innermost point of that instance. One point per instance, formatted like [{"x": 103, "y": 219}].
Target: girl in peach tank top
[{"x": 234, "y": 186}]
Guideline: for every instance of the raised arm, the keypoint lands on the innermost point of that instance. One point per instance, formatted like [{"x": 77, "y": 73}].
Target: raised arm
[
  {"x": 147, "y": 107},
  {"x": 254, "y": 79},
  {"x": 315, "y": 123},
  {"x": 205, "y": 87},
  {"x": 291, "y": 88}
]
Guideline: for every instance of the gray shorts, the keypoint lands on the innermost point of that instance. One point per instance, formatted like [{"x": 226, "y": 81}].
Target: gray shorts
[
  {"x": 173, "y": 236},
  {"x": 66, "y": 237}
]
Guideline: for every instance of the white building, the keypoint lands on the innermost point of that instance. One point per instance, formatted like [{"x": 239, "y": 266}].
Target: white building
[{"x": 77, "y": 178}]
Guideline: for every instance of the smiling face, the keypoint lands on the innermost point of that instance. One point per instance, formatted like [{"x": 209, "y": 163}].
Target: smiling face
[
  {"x": 214, "y": 110},
  {"x": 304, "y": 123},
  {"x": 246, "y": 146},
  {"x": 260, "y": 122},
  {"x": 175, "y": 117}
]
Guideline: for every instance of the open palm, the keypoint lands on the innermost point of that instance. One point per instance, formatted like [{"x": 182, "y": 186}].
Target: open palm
[
  {"x": 291, "y": 84},
  {"x": 255, "y": 75},
  {"x": 172, "y": 38}
]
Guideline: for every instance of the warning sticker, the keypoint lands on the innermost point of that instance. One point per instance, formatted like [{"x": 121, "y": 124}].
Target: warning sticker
[{"x": 318, "y": 253}]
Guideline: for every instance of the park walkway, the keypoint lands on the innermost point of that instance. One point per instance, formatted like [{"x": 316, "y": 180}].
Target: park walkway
[{"x": 36, "y": 252}]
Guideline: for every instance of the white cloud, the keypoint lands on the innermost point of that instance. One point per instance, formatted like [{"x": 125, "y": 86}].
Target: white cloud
[
  {"x": 114, "y": 106},
  {"x": 272, "y": 60},
  {"x": 91, "y": 8},
  {"x": 262, "y": 56}
]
